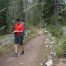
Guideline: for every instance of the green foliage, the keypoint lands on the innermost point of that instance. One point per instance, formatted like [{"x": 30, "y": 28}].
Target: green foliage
[
  {"x": 64, "y": 47},
  {"x": 30, "y": 23},
  {"x": 5, "y": 49},
  {"x": 55, "y": 31},
  {"x": 3, "y": 7},
  {"x": 47, "y": 11},
  {"x": 61, "y": 47},
  {"x": 3, "y": 15},
  {"x": 50, "y": 9},
  {"x": 35, "y": 14},
  {"x": 59, "y": 51}
]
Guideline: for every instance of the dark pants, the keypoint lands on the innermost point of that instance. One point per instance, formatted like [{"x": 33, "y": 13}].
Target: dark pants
[{"x": 18, "y": 39}]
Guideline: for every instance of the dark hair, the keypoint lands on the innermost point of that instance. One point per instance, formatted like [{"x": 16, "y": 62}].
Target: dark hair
[{"x": 17, "y": 20}]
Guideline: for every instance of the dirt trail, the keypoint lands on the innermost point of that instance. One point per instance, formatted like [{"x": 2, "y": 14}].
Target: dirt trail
[{"x": 32, "y": 56}]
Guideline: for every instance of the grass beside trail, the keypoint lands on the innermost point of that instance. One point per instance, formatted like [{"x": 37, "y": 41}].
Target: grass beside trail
[
  {"x": 5, "y": 36},
  {"x": 5, "y": 49}
]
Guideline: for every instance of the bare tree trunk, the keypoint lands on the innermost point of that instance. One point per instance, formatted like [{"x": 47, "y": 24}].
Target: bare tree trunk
[{"x": 56, "y": 4}]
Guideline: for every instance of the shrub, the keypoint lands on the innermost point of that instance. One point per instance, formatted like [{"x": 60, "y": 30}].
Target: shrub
[
  {"x": 59, "y": 51},
  {"x": 64, "y": 48},
  {"x": 54, "y": 30},
  {"x": 61, "y": 47}
]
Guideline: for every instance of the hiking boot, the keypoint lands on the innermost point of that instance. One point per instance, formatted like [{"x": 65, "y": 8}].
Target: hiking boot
[
  {"x": 15, "y": 55},
  {"x": 22, "y": 53}
]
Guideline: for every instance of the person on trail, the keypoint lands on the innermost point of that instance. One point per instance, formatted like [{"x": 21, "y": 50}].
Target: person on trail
[{"x": 18, "y": 36}]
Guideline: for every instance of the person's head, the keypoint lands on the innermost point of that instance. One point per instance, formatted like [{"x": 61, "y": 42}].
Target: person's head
[{"x": 18, "y": 20}]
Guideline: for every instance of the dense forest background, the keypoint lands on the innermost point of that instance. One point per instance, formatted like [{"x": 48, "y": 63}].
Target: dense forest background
[{"x": 36, "y": 12}]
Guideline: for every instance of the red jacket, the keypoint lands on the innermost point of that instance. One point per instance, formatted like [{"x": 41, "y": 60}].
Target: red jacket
[{"x": 18, "y": 28}]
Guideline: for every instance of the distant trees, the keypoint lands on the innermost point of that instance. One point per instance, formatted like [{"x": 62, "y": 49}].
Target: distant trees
[
  {"x": 52, "y": 11},
  {"x": 3, "y": 9},
  {"x": 45, "y": 12},
  {"x": 35, "y": 13},
  {"x": 10, "y": 10},
  {"x": 15, "y": 10},
  {"x": 48, "y": 12},
  {"x": 3, "y": 15}
]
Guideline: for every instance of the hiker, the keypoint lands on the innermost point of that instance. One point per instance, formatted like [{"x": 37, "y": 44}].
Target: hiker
[{"x": 18, "y": 37}]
